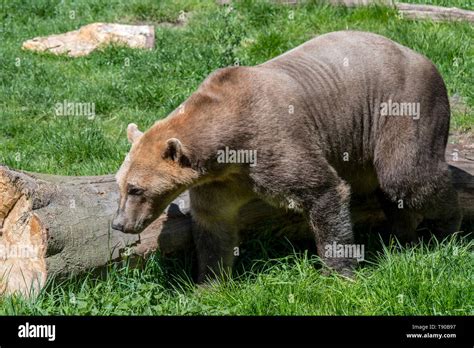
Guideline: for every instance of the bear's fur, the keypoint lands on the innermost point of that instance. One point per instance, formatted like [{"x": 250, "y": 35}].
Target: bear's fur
[{"x": 314, "y": 116}]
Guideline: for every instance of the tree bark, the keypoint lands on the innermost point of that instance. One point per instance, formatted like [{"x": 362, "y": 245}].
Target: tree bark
[
  {"x": 415, "y": 11},
  {"x": 411, "y": 11},
  {"x": 435, "y": 13},
  {"x": 60, "y": 226}
]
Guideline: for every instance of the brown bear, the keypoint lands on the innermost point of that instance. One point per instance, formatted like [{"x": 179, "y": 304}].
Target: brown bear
[{"x": 346, "y": 112}]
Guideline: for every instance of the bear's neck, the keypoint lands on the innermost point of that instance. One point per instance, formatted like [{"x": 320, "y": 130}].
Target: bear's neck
[{"x": 206, "y": 124}]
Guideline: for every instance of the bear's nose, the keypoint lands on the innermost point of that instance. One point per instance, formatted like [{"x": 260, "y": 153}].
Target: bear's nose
[
  {"x": 117, "y": 226},
  {"x": 118, "y": 221}
]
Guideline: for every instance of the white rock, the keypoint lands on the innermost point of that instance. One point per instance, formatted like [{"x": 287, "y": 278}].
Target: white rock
[{"x": 83, "y": 41}]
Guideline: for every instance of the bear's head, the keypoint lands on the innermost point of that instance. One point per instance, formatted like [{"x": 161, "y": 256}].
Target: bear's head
[{"x": 156, "y": 170}]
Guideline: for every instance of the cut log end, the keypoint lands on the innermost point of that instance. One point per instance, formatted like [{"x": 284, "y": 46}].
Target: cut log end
[{"x": 22, "y": 240}]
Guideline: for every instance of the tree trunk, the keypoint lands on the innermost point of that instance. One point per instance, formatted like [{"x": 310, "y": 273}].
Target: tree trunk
[
  {"x": 55, "y": 225},
  {"x": 411, "y": 11},
  {"x": 435, "y": 13}
]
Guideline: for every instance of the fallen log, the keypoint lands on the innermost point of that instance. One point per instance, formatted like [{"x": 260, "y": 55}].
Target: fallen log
[
  {"x": 435, "y": 13},
  {"x": 415, "y": 11},
  {"x": 410, "y": 11},
  {"x": 60, "y": 226}
]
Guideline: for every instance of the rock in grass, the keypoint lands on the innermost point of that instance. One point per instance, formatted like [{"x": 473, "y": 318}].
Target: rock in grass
[{"x": 83, "y": 41}]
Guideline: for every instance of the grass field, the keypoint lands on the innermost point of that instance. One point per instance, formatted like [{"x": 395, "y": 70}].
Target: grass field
[{"x": 129, "y": 85}]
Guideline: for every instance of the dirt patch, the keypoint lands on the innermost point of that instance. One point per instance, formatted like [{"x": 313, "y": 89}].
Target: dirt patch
[
  {"x": 463, "y": 143},
  {"x": 179, "y": 22},
  {"x": 463, "y": 138},
  {"x": 459, "y": 105}
]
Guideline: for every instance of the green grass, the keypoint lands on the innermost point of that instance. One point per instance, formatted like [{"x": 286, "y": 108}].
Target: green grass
[
  {"x": 433, "y": 279},
  {"x": 430, "y": 281},
  {"x": 157, "y": 81}
]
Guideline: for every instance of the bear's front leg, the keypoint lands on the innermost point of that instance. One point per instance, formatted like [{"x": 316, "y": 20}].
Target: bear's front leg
[
  {"x": 330, "y": 221},
  {"x": 215, "y": 244},
  {"x": 308, "y": 184},
  {"x": 214, "y": 209}
]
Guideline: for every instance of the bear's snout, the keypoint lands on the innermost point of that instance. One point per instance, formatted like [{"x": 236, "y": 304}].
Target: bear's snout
[{"x": 117, "y": 223}]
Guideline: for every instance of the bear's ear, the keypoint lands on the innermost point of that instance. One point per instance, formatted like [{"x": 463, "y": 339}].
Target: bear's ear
[
  {"x": 133, "y": 133},
  {"x": 173, "y": 150}
]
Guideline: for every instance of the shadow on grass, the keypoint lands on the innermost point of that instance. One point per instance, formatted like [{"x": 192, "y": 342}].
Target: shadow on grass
[
  {"x": 257, "y": 255},
  {"x": 264, "y": 250}
]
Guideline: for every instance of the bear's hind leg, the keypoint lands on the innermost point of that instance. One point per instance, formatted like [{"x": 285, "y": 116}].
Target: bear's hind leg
[
  {"x": 416, "y": 185},
  {"x": 442, "y": 210},
  {"x": 402, "y": 221}
]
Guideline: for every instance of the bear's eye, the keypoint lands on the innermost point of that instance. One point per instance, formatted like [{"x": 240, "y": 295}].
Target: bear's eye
[{"x": 135, "y": 191}]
